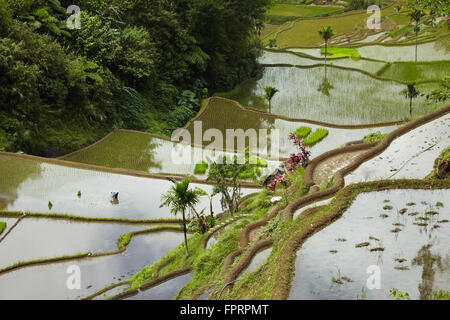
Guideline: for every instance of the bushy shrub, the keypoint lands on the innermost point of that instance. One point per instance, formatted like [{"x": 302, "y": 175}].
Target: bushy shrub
[{"x": 374, "y": 137}]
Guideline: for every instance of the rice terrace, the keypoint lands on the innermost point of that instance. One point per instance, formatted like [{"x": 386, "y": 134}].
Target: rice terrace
[{"x": 225, "y": 150}]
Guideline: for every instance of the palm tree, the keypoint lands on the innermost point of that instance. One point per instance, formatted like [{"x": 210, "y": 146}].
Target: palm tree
[
  {"x": 269, "y": 93},
  {"x": 180, "y": 198},
  {"x": 410, "y": 93},
  {"x": 416, "y": 15},
  {"x": 326, "y": 33}
]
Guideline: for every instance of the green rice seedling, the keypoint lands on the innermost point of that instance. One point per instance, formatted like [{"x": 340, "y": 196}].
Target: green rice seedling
[
  {"x": 302, "y": 132},
  {"x": 318, "y": 135},
  {"x": 201, "y": 167}
]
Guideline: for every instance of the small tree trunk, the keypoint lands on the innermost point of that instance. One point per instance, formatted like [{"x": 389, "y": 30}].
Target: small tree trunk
[
  {"x": 410, "y": 107},
  {"x": 211, "y": 212},
  {"x": 417, "y": 34},
  {"x": 185, "y": 236}
]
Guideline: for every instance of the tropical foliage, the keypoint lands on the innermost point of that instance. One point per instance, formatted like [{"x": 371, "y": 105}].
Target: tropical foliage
[{"x": 137, "y": 64}]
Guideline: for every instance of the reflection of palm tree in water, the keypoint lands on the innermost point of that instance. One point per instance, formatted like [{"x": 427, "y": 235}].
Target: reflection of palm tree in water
[
  {"x": 325, "y": 86},
  {"x": 427, "y": 259}
]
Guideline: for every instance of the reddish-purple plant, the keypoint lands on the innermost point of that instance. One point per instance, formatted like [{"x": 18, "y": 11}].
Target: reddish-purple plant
[
  {"x": 301, "y": 157},
  {"x": 280, "y": 179}
]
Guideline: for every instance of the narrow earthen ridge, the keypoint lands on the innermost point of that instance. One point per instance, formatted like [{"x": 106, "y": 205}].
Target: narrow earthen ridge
[
  {"x": 246, "y": 259},
  {"x": 309, "y": 171},
  {"x": 125, "y": 295},
  {"x": 152, "y": 283},
  {"x": 201, "y": 291},
  {"x": 43, "y": 262},
  {"x": 11, "y": 228},
  {"x": 164, "y": 278},
  {"x": 206, "y": 238},
  {"x": 346, "y": 196},
  {"x": 66, "y": 217},
  {"x": 128, "y": 172},
  {"x": 86, "y": 255},
  {"x": 244, "y": 238},
  {"x": 106, "y": 289},
  {"x": 312, "y": 66},
  {"x": 229, "y": 261}
]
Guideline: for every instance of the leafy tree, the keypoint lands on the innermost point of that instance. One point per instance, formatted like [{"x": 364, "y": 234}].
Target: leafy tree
[
  {"x": 437, "y": 8},
  {"x": 179, "y": 199},
  {"x": 227, "y": 178},
  {"x": 410, "y": 93},
  {"x": 269, "y": 92}
]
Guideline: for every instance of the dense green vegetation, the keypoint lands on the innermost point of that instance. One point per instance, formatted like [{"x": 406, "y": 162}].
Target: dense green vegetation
[{"x": 132, "y": 64}]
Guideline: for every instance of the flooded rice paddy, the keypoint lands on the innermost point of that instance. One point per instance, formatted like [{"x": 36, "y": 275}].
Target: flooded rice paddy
[
  {"x": 30, "y": 185},
  {"x": 431, "y": 51},
  {"x": 49, "y": 281},
  {"x": 223, "y": 115},
  {"x": 337, "y": 96},
  {"x": 410, "y": 156},
  {"x": 44, "y": 238},
  {"x": 143, "y": 152},
  {"x": 406, "y": 234}
]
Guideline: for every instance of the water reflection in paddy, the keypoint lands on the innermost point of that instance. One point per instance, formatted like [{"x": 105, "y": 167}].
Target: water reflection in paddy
[
  {"x": 139, "y": 197},
  {"x": 430, "y": 51},
  {"x": 164, "y": 291},
  {"x": 425, "y": 52},
  {"x": 224, "y": 114},
  {"x": 143, "y": 152},
  {"x": 414, "y": 259},
  {"x": 49, "y": 281},
  {"x": 45, "y": 238}
]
